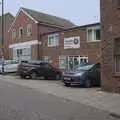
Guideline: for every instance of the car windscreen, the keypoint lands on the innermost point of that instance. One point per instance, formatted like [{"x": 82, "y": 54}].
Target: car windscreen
[
  {"x": 80, "y": 65},
  {"x": 86, "y": 67},
  {"x": 10, "y": 62}
]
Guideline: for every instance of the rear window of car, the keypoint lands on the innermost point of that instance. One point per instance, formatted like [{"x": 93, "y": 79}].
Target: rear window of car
[
  {"x": 48, "y": 66},
  {"x": 34, "y": 62}
]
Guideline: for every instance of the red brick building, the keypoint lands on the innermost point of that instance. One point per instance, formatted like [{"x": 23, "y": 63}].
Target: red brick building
[
  {"x": 26, "y": 29},
  {"x": 67, "y": 48},
  {"x": 8, "y": 19},
  {"x": 36, "y": 35},
  {"x": 110, "y": 50}
]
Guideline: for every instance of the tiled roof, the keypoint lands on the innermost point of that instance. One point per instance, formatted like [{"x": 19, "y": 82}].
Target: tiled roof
[{"x": 49, "y": 19}]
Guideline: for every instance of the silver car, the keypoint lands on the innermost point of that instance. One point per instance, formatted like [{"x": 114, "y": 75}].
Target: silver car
[{"x": 9, "y": 66}]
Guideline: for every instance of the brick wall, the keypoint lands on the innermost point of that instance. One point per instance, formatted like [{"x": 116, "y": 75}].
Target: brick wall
[
  {"x": 22, "y": 20},
  {"x": 110, "y": 26},
  {"x": 91, "y": 50}
]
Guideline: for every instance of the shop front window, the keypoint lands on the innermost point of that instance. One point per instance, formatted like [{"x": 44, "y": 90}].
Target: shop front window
[
  {"x": 70, "y": 62},
  {"x": 22, "y": 53},
  {"x": 48, "y": 59},
  {"x": 63, "y": 62}
]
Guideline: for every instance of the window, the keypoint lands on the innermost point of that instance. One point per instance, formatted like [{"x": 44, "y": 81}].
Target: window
[
  {"x": 63, "y": 62},
  {"x": 97, "y": 34},
  {"x": 22, "y": 53},
  {"x": 118, "y": 63},
  {"x": 90, "y": 35},
  {"x": 53, "y": 40},
  {"x": 20, "y": 32},
  {"x": 29, "y": 30},
  {"x": 14, "y": 34},
  {"x": 93, "y": 34},
  {"x": 48, "y": 59},
  {"x": 117, "y": 55},
  {"x": 19, "y": 52}
]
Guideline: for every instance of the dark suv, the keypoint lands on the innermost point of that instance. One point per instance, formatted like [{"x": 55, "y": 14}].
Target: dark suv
[{"x": 34, "y": 69}]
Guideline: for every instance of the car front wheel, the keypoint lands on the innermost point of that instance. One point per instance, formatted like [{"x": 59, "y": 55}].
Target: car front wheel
[
  {"x": 22, "y": 76},
  {"x": 33, "y": 75}
]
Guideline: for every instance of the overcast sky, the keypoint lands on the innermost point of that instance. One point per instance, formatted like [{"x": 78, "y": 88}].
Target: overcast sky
[{"x": 78, "y": 11}]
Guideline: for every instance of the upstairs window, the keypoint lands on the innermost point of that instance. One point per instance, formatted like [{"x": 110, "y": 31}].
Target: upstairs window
[
  {"x": 29, "y": 30},
  {"x": 53, "y": 40},
  {"x": 90, "y": 35},
  {"x": 93, "y": 34},
  {"x": 14, "y": 34},
  {"x": 97, "y": 34},
  {"x": 20, "y": 32}
]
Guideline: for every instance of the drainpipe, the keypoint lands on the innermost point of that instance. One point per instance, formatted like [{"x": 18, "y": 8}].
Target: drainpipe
[{"x": 38, "y": 37}]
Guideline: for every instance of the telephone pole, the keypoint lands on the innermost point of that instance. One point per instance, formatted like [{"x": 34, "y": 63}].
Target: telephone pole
[{"x": 2, "y": 41}]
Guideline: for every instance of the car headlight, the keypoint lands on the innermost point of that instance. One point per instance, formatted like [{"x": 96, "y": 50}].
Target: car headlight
[{"x": 79, "y": 74}]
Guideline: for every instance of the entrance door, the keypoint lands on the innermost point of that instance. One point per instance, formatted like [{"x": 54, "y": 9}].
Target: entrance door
[{"x": 73, "y": 61}]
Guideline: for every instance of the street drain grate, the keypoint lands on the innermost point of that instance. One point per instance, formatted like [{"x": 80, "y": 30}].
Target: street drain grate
[{"x": 114, "y": 115}]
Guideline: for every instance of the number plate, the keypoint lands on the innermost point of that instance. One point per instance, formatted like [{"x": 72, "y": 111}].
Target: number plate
[{"x": 67, "y": 78}]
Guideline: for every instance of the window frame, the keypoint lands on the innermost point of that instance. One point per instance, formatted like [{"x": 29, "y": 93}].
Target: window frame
[
  {"x": 93, "y": 34},
  {"x": 21, "y": 28},
  {"x": 116, "y": 64},
  {"x": 116, "y": 53},
  {"x": 55, "y": 41},
  {"x": 29, "y": 30},
  {"x": 48, "y": 59}
]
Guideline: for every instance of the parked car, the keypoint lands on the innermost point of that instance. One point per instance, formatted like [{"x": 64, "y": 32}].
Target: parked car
[
  {"x": 86, "y": 75},
  {"x": 34, "y": 69},
  {"x": 9, "y": 66}
]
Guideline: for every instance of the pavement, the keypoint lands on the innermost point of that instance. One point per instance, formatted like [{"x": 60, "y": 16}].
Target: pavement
[
  {"x": 93, "y": 97},
  {"x": 19, "y": 102}
]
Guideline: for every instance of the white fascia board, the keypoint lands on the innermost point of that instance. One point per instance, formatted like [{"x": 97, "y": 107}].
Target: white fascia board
[
  {"x": 21, "y": 10},
  {"x": 29, "y": 16},
  {"x": 94, "y": 27},
  {"x": 24, "y": 44}
]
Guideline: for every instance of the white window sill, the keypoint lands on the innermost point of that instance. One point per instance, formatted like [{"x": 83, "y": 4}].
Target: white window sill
[
  {"x": 53, "y": 45},
  {"x": 93, "y": 41}
]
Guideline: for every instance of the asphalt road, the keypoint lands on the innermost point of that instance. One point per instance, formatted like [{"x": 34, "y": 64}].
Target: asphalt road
[{"x": 22, "y": 103}]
